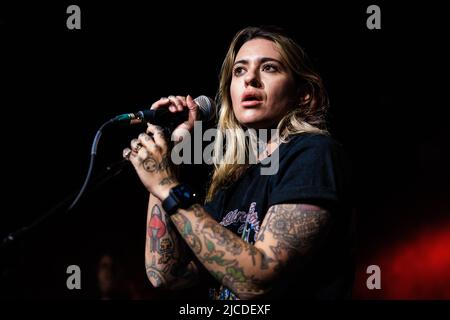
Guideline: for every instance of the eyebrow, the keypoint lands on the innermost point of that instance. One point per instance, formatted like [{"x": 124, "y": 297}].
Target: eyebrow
[{"x": 260, "y": 60}]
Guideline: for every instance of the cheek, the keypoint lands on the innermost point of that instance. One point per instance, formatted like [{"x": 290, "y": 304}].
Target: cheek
[
  {"x": 275, "y": 98},
  {"x": 281, "y": 96},
  {"x": 235, "y": 93}
]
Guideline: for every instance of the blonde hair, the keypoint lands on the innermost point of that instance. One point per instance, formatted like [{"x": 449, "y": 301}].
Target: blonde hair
[{"x": 308, "y": 116}]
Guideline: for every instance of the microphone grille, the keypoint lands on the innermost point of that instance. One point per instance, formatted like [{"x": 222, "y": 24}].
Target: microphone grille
[{"x": 207, "y": 107}]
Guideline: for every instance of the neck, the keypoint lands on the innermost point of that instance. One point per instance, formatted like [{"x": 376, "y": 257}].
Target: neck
[{"x": 269, "y": 140}]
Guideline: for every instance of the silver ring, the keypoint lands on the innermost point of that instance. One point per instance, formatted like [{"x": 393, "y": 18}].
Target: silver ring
[{"x": 126, "y": 154}]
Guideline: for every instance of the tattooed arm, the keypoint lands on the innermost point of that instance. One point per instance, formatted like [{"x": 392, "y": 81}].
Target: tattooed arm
[
  {"x": 165, "y": 260},
  {"x": 288, "y": 231}
]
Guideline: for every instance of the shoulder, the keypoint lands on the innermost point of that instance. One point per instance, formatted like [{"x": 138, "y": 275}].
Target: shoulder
[
  {"x": 312, "y": 139},
  {"x": 312, "y": 167},
  {"x": 312, "y": 144}
]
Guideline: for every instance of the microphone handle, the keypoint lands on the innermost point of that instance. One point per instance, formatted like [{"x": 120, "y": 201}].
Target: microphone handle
[{"x": 163, "y": 117}]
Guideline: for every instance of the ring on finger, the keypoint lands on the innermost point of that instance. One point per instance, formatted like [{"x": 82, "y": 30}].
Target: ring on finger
[
  {"x": 126, "y": 154},
  {"x": 138, "y": 147}
]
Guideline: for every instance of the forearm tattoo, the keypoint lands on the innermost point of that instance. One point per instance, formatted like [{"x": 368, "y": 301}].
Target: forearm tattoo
[
  {"x": 163, "y": 256},
  {"x": 219, "y": 250},
  {"x": 287, "y": 230},
  {"x": 296, "y": 226},
  {"x": 185, "y": 228},
  {"x": 167, "y": 180}
]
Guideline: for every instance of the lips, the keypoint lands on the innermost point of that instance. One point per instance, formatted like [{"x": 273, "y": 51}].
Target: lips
[
  {"x": 251, "y": 99},
  {"x": 251, "y": 103}
]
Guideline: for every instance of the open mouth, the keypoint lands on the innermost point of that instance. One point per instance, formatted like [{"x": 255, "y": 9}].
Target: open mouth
[{"x": 251, "y": 100}]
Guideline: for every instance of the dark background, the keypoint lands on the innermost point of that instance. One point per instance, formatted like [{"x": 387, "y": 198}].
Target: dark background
[{"x": 388, "y": 108}]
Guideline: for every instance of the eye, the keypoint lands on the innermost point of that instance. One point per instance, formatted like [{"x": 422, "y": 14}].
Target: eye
[
  {"x": 237, "y": 71},
  {"x": 269, "y": 67}
]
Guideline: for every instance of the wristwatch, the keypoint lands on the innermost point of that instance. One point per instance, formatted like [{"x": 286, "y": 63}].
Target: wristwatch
[{"x": 180, "y": 196}]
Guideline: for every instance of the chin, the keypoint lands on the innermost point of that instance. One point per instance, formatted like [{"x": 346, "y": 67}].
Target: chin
[
  {"x": 255, "y": 119},
  {"x": 254, "y": 124}
]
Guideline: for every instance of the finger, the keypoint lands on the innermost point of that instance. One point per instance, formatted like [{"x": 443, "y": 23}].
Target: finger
[
  {"x": 132, "y": 157},
  {"x": 183, "y": 100},
  {"x": 193, "y": 110},
  {"x": 144, "y": 138},
  {"x": 137, "y": 158},
  {"x": 164, "y": 101},
  {"x": 148, "y": 142},
  {"x": 142, "y": 154},
  {"x": 126, "y": 153},
  {"x": 135, "y": 145},
  {"x": 178, "y": 103},
  {"x": 158, "y": 135}
]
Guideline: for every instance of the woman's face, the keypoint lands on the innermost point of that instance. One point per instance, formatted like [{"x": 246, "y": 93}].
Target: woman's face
[{"x": 262, "y": 89}]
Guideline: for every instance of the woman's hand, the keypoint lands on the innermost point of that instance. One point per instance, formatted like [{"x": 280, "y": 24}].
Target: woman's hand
[
  {"x": 150, "y": 157},
  {"x": 177, "y": 104}
]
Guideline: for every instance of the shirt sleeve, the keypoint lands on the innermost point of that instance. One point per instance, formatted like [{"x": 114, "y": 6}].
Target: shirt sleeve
[
  {"x": 214, "y": 206},
  {"x": 311, "y": 171}
]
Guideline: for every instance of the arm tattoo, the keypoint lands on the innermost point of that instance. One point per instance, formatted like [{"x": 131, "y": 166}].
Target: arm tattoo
[
  {"x": 225, "y": 237},
  {"x": 253, "y": 252},
  {"x": 155, "y": 274},
  {"x": 165, "y": 264},
  {"x": 198, "y": 211},
  {"x": 248, "y": 270},
  {"x": 295, "y": 226},
  {"x": 246, "y": 286},
  {"x": 156, "y": 228},
  {"x": 213, "y": 255},
  {"x": 166, "y": 251},
  {"x": 221, "y": 251},
  {"x": 167, "y": 180},
  {"x": 185, "y": 227}
]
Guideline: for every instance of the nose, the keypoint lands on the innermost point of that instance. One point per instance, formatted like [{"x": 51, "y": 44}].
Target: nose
[{"x": 252, "y": 78}]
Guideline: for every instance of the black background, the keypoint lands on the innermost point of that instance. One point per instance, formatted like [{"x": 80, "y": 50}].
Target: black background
[{"x": 388, "y": 105}]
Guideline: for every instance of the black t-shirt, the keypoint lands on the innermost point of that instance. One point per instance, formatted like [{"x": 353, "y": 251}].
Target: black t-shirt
[{"x": 312, "y": 169}]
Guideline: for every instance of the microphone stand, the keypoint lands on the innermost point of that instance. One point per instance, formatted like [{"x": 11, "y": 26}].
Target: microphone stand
[
  {"x": 107, "y": 174},
  {"x": 65, "y": 205},
  {"x": 111, "y": 171}
]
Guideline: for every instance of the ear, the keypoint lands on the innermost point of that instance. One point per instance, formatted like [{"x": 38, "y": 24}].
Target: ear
[
  {"x": 303, "y": 98},
  {"x": 303, "y": 94}
]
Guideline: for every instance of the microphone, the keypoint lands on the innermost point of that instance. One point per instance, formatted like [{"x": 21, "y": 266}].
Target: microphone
[{"x": 163, "y": 117}]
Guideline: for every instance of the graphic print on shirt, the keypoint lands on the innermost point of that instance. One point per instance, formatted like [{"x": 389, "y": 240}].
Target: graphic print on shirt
[{"x": 248, "y": 223}]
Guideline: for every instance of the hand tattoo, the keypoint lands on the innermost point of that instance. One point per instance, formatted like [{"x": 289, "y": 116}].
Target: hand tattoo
[{"x": 151, "y": 165}]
